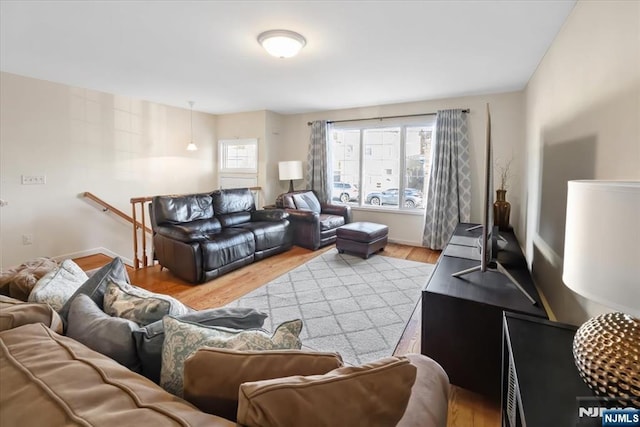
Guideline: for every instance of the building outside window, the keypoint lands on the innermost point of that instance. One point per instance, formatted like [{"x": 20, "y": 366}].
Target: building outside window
[{"x": 388, "y": 164}]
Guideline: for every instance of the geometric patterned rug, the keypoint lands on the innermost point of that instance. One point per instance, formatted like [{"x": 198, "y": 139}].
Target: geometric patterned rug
[{"x": 356, "y": 307}]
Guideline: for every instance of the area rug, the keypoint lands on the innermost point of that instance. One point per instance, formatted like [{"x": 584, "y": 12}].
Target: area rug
[{"x": 350, "y": 305}]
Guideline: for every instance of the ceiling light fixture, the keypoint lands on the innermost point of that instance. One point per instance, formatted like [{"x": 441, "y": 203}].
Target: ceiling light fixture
[
  {"x": 192, "y": 146},
  {"x": 282, "y": 43}
]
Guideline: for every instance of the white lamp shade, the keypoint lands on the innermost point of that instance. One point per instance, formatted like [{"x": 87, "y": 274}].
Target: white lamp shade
[
  {"x": 602, "y": 243},
  {"x": 290, "y": 170}
]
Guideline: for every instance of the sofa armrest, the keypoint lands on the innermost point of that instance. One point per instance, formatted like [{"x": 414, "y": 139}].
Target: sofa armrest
[
  {"x": 36, "y": 365},
  {"x": 297, "y": 215},
  {"x": 306, "y": 228},
  {"x": 429, "y": 401},
  {"x": 269, "y": 215},
  {"x": 342, "y": 210}
]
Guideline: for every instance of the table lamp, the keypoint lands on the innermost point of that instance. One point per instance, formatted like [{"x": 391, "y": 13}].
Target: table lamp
[
  {"x": 290, "y": 170},
  {"x": 602, "y": 263}
]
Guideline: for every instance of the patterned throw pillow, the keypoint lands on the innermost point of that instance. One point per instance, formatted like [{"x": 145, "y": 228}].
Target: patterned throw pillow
[
  {"x": 57, "y": 286},
  {"x": 182, "y": 339},
  {"x": 96, "y": 286},
  {"x": 139, "y": 305},
  {"x": 149, "y": 339}
]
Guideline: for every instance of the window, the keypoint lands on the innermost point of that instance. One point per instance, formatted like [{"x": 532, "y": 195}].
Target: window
[
  {"x": 238, "y": 163},
  {"x": 239, "y": 155},
  {"x": 389, "y": 165}
]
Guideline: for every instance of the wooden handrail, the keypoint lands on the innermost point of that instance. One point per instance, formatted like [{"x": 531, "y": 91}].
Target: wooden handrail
[
  {"x": 107, "y": 207},
  {"x": 141, "y": 199},
  {"x": 136, "y": 225}
]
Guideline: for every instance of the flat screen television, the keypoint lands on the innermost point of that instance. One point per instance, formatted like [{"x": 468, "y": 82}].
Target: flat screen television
[{"x": 487, "y": 241}]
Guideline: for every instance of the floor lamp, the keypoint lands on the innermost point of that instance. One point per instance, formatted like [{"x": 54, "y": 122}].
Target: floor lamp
[
  {"x": 602, "y": 263},
  {"x": 290, "y": 170}
]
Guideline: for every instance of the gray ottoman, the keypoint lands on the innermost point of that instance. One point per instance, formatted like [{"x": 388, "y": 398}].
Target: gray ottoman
[{"x": 361, "y": 238}]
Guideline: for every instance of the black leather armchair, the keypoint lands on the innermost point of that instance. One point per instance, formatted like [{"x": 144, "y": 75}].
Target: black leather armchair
[{"x": 314, "y": 223}]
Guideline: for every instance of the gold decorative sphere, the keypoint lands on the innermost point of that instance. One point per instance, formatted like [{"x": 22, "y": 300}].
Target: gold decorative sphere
[{"x": 606, "y": 350}]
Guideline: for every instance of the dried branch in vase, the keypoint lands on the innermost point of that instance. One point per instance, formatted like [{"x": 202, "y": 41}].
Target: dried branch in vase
[{"x": 504, "y": 171}]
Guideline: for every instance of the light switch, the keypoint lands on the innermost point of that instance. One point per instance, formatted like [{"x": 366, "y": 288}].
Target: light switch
[{"x": 34, "y": 179}]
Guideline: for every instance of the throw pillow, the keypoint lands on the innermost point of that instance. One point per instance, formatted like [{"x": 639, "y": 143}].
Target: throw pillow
[
  {"x": 182, "y": 339},
  {"x": 57, "y": 286},
  {"x": 97, "y": 284},
  {"x": 149, "y": 338},
  {"x": 111, "y": 336},
  {"x": 139, "y": 305},
  {"x": 18, "y": 282},
  {"x": 14, "y": 313},
  {"x": 373, "y": 395},
  {"x": 212, "y": 376}
]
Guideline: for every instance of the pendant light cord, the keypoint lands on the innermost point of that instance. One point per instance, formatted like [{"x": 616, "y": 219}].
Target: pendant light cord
[{"x": 191, "y": 119}]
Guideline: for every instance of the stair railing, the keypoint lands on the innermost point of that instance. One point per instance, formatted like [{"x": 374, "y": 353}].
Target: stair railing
[
  {"x": 139, "y": 208},
  {"x": 140, "y": 258},
  {"x": 106, "y": 207}
]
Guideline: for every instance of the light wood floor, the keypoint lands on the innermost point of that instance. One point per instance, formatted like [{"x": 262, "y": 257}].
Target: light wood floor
[{"x": 466, "y": 409}]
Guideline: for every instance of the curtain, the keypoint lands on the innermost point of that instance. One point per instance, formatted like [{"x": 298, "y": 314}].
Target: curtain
[
  {"x": 449, "y": 191},
  {"x": 319, "y": 161}
]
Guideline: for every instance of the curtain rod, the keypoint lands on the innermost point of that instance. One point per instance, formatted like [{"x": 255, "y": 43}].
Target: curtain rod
[{"x": 467, "y": 110}]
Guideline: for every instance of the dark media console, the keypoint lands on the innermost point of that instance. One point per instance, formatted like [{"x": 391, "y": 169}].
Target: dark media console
[
  {"x": 540, "y": 382},
  {"x": 462, "y": 316}
]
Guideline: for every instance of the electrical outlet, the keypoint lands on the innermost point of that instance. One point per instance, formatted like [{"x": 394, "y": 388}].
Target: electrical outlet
[
  {"x": 27, "y": 239},
  {"x": 34, "y": 179}
]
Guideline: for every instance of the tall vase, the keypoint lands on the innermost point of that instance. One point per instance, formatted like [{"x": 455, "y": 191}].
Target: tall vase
[{"x": 501, "y": 210}]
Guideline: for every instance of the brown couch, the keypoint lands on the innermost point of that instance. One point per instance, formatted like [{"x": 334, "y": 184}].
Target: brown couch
[
  {"x": 314, "y": 223},
  {"x": 49, "y": 379}
]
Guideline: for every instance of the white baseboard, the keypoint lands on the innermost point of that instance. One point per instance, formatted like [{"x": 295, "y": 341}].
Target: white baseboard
[
  {"x": 406, "y": 242},
  {"x": 94, "y": 251}
]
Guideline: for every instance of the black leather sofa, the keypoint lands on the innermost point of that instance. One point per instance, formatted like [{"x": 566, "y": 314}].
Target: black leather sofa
[
  {"x": 199, "y": 237},
  {"x": 314, "y": 223}
]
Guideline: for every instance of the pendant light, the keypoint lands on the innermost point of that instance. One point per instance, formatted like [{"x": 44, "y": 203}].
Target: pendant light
[{"x": 192, "y": 146}]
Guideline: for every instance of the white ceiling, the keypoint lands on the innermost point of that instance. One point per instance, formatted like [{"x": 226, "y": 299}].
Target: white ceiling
[{"x": 358, "y": 53}]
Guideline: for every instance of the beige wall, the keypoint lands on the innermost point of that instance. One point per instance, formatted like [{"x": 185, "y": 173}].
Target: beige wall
[
  {"x": 583, "y": 122},
  {"x": 113, "y": 146},
  {"x": 274, "y": 134},
  {"x": 267, "y": 127},
  {"x": 117, "y": 148},
  {"x": 507, "y": 113}
]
